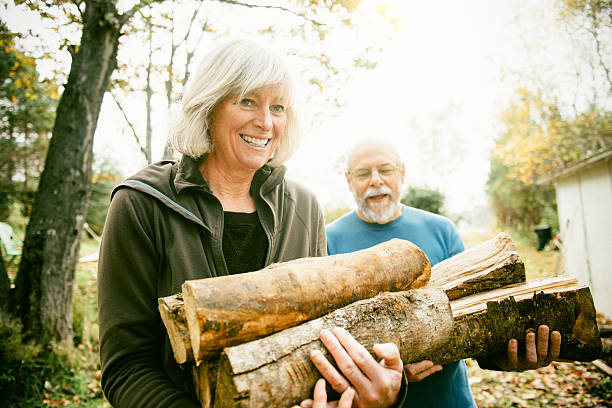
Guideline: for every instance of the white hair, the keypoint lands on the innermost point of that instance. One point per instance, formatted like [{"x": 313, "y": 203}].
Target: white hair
[{"x": 234, "y": 68}]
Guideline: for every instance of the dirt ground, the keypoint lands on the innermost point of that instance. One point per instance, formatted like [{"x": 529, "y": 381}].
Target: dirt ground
[{"x": 558, "y": 385}]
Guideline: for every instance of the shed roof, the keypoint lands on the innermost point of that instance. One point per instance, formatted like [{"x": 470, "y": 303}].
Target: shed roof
[{"x": 576, "y": 166}]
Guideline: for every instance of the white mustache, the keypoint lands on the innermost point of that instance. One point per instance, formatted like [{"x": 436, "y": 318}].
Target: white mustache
[{"x": 373, "y": 191}]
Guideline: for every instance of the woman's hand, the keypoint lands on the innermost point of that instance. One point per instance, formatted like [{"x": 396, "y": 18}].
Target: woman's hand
[
  {"x": 376, "y": 384},
  {"x": 320, "y": 398}
]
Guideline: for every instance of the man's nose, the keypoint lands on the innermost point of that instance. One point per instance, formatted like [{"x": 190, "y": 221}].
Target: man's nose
[{"x": 375, "y": 179}]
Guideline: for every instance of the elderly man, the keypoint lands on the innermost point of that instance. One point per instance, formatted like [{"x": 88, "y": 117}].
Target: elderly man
[{"x": 375, "y": 175}]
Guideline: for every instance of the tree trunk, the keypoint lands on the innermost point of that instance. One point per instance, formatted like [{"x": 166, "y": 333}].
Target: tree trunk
[
  {"x": 5, "y": 286},
  {"x": 44, "y": 283},
  {"x": 233, "y": 309},
  {"x": 149, "y": 95},
  {"x": 486, "y": 266},
  {"x": 276, "y": 371}
]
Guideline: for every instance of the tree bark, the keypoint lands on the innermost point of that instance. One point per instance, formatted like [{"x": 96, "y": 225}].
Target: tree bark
[
  {"x": 5, "y": 286},
  {"x": 486, "y": 266},
  {"x": 276, "y": 371},
  {"x": 44, "y": 283},
  {"x": 485, "y": 322},
  {"x": 233, "y": 309}
]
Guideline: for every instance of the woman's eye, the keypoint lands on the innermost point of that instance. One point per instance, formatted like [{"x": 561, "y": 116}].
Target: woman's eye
[
  {"x": 246, "y": 102},
  {"x": 278, "y": 108}
]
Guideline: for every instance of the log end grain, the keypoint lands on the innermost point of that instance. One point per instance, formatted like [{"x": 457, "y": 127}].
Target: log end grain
[{"x": 172, "y": 313}]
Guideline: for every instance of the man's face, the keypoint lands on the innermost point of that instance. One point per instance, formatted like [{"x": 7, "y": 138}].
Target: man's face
[{"x": 375, "y": 180}]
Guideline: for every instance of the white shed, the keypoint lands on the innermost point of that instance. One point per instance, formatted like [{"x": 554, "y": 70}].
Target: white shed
[{"x": 584, "y": 204}]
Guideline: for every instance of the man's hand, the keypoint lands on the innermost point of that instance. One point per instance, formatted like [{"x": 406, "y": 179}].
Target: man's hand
[
  {"x": 541, "y": 350},
  {"x": 320, "y": 398},
  {"x": 376, "y": 384},
  {"x": 418, "y": 371}
]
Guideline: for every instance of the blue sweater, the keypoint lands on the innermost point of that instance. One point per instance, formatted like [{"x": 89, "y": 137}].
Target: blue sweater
[{"x": 439, "y": 239}]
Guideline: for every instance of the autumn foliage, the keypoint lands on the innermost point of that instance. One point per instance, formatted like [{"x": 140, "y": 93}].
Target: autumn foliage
[{"x": 537, "y": 140}]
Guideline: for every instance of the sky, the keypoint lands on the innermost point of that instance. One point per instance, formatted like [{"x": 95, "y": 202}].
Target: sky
[{"x": 436, "y": 92}]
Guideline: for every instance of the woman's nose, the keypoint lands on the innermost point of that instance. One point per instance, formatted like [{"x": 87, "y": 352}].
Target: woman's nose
[{"x": 264, "y": 119}]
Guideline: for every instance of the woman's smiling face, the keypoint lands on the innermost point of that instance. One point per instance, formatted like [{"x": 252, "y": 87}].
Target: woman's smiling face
[{"x": 246, "y": 130}]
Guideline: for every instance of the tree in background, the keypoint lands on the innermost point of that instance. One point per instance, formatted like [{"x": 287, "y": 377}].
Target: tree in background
[
  {"x": 176, "y": 30},
  {"x": 549, "y": 123},
  {"x": 44, "y": 283},
  {"x": 27, "y": 110},
  {"x": 106, "y": 176},
  {"x": 425, "y": 198}
]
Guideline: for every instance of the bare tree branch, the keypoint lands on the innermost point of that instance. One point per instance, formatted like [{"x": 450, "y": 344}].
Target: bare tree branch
[
  {"x": 593, "y": 32},
  {"x": 285, "y": 9},
  {"x": 78, "y": 3},
  {"x": 130, "y": 124}
]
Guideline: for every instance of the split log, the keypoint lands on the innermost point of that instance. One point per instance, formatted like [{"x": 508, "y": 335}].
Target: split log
[
  {"x": 485, "y": 322},
  {"x": 172, "y": 312},
  {"x": 489, "y": 265},
  {"x": 276, "y": 371},
  {"x": 233, "y": 309}
]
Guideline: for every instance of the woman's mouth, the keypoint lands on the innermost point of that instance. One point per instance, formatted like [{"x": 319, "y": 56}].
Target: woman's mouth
[{"x": 255, "y": 141}]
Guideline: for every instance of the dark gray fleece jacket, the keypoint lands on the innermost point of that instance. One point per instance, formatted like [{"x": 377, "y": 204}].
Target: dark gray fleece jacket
[{"x": 164, "y": 226}]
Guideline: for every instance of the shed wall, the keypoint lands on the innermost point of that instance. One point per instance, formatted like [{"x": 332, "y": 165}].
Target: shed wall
[{"x": 584, "y": 202}]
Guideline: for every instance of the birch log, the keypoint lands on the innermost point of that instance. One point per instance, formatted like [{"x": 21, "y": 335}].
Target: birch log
[
  {"x": 276, "y": 371},
  {"x": 233, "y": 309}
]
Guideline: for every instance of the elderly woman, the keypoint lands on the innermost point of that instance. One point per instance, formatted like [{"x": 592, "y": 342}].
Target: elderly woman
[{"x": 224, "y": 208}]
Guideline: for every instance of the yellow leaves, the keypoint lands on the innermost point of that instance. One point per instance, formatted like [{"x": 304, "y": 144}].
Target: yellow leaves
[{"x": 537, "y": 139}]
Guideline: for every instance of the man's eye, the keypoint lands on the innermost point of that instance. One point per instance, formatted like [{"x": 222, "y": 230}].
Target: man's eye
[
  {"x": 246, "y": 102},
  {"x": 278, "y": 108},
  {"x": 385, "y": 172},
  {"x": 362, "y": 175}
]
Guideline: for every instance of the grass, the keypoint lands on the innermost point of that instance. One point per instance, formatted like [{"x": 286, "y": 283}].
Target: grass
[{"x": 61, "y": 375}]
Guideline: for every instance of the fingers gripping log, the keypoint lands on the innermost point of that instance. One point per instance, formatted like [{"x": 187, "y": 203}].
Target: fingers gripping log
[
  {"x": 485, "y": 322},
  {"x": 230, "y": 310},
  {"x": 276, "y": 371}
]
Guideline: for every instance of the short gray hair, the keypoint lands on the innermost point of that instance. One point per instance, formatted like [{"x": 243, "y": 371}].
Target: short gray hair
[
  {"x": 234, "y": 68},
  {"x": 371, "y": 141}
]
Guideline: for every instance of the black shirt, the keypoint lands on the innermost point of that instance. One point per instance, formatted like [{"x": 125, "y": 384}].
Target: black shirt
[{"x": 244, "y": 242}]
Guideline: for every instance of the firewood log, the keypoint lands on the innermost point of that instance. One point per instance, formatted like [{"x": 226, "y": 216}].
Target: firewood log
[
  {"x": 230, "y": 310},
  {"x": 486, "y": 266},
  {"x": 276, "y": 371},
  {"x": 172, "y": 312}
]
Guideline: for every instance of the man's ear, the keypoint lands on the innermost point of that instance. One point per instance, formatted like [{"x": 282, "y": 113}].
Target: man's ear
[
  {"x": 403, "y": 172},
  {"x": 348, "y": 181}
]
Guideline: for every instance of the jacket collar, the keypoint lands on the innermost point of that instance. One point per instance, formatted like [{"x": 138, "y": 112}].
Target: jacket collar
[{"x": 188, "y": 176}]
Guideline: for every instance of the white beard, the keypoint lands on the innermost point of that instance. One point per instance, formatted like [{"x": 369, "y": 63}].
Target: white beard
[{"x": 380, "y": 212}]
